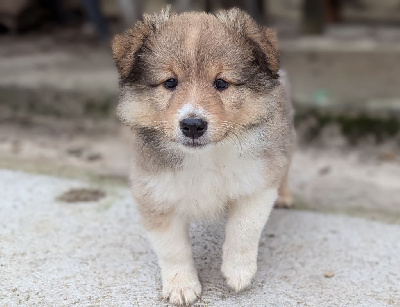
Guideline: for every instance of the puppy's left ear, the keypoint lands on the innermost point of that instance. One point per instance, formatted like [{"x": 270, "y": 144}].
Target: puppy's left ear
[{"x": 264, "y": 40}]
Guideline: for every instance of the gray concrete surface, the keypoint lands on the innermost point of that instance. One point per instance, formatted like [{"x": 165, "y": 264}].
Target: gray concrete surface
[{"x": 96, "y": 254}]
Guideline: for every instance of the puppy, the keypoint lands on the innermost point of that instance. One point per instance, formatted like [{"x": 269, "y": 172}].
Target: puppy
[{"x": 213, "y": 132}]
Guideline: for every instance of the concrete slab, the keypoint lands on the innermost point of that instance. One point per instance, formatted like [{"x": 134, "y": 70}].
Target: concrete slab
[{"x": 96, "y": 254}]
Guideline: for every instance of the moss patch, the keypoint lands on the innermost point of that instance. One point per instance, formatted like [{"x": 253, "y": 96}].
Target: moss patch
[{"x": 354, "y": 126}]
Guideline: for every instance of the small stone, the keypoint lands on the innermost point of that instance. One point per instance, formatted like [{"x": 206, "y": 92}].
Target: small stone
[{"x": 329, "y": 274}]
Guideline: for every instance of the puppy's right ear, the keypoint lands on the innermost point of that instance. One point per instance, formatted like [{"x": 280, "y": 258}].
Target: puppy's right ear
[{"x": 125, "y": 46}]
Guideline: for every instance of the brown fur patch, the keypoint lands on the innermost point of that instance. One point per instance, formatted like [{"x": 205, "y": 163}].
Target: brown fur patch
[
  {"x": 154, "y": 220},
  {"x": 152, "y": 217}
]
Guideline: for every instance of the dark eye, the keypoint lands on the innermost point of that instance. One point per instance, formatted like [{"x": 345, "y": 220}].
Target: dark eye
[
  {"x": 220, "y": 84},
  {"x": 171, "y": 83}
]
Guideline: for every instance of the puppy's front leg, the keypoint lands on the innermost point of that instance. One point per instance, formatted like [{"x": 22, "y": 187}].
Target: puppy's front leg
[
  {"x": 246, "y": 220},
  {"x": 179, "y": 277}
]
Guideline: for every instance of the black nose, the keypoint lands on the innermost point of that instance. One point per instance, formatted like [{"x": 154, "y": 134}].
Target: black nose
[{"x": 193, "y": 127}]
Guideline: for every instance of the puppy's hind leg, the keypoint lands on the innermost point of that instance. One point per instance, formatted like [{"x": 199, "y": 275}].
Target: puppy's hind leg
[
  {"x": 179, "y": 277},
  {"x": 246, "y": 220},
  {"x": 285, "y": 198}
]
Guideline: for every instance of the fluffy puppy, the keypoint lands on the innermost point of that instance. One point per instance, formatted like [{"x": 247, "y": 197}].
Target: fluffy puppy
[{"x": 213, "y": 131}]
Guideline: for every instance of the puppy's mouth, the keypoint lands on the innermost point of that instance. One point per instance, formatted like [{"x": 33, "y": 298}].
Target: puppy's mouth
[{"x": 194, "y": 143}]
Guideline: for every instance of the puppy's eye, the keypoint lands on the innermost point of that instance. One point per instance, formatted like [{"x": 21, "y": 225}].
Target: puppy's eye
[
  {"x": 220, "y": 84},
  {"x": 171, "y": 83}
]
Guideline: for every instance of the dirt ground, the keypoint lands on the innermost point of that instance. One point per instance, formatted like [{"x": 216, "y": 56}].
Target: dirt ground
[{"x": 329, "y": 177}]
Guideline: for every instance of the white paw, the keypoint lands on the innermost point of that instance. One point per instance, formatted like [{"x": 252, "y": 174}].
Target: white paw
[
  {"x": 238, "y": 276},
  {"x": 182, "y": 289}
]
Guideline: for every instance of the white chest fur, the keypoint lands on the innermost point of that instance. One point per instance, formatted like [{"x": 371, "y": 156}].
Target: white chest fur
[{"x": 207, "y": 180}]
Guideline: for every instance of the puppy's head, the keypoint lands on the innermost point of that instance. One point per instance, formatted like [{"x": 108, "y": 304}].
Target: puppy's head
[{"x": 194, "y": 79}]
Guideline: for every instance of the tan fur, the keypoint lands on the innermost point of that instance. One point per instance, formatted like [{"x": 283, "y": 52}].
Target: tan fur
[{"x": 153, "y": 220}]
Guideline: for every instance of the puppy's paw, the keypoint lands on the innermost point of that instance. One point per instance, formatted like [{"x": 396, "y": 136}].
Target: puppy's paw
[
  {"x": 284, "y": 202},
  {"x": 182, "y": 289},
  {"x": 238, "y": 276}
]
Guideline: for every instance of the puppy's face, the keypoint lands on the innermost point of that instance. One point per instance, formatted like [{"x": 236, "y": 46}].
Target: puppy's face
[{"x": 195, "y": 79}]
